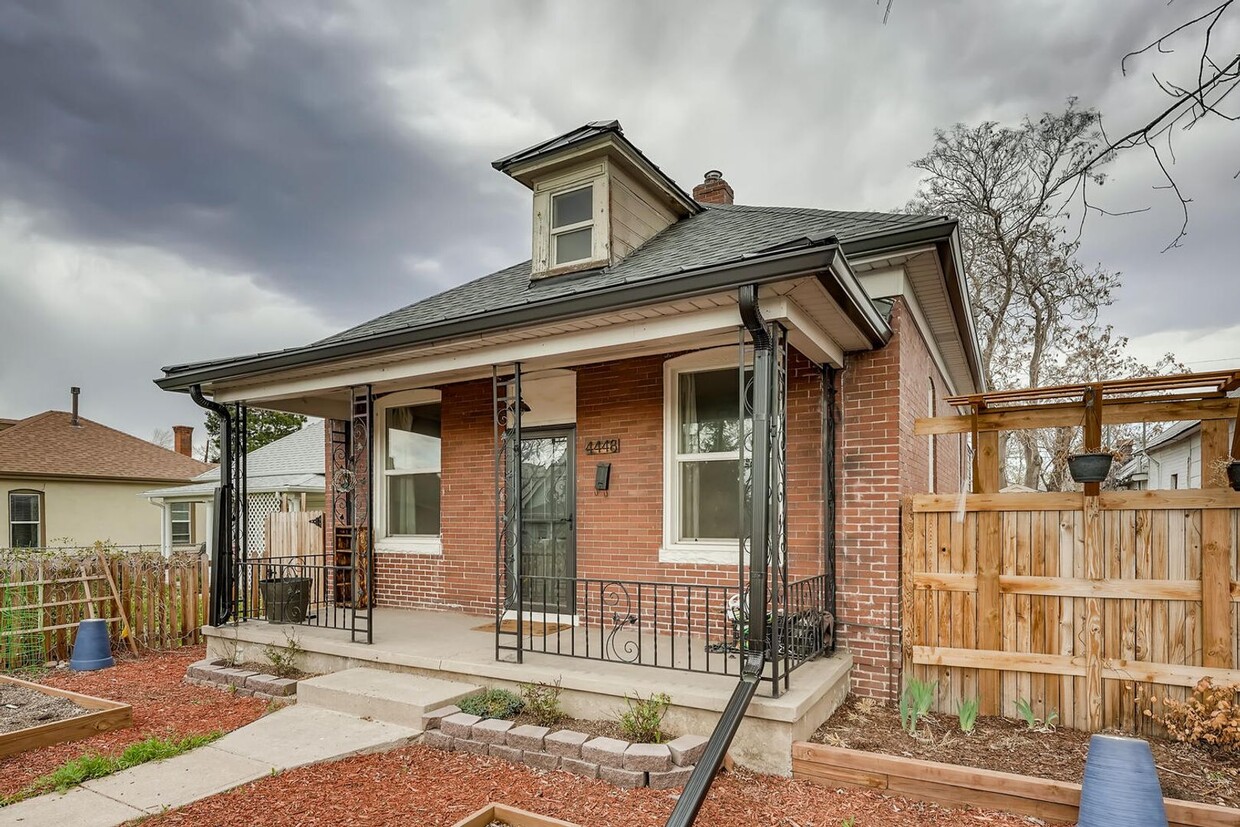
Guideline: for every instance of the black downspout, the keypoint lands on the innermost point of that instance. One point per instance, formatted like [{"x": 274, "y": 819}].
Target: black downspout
[
  {"x": 829, "y": 429},
  {"x": 698, "y": 785},
  {"x": 219, "y": 608}
]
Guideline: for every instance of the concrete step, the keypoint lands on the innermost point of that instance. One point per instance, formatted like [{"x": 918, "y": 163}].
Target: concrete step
[{"x": 393, "y": 697}]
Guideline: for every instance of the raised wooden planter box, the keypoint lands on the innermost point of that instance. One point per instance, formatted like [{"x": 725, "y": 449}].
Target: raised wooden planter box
[
  {"x": 509, "y": 815},
  {"x": 108, "y": 715},
  {"x": 957, "y": 786}
]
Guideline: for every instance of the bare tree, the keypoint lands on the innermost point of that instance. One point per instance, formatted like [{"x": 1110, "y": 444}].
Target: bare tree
[
  {"x": 1205, "y": 94},
  {"x": 162, "y": 437}
]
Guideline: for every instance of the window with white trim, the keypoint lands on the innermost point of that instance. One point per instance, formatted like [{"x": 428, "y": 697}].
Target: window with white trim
[
  {"x": 411, "y": 471},
  {"x": 572, "y": 226},
  {"x": 181, "y": 522},
  {"x": 702, "y": 508},
  {"x": 25, "y": 519}
]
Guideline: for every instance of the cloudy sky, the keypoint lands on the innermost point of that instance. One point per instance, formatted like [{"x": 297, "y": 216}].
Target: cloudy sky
[{"x": 190, "y": 180}]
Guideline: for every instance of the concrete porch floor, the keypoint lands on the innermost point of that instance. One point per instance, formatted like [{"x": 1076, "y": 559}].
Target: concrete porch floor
[{"x": 451, "y": 646}]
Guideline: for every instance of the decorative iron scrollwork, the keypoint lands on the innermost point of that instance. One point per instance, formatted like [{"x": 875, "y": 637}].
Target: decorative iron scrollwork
[{"x": 616, "y": 600}]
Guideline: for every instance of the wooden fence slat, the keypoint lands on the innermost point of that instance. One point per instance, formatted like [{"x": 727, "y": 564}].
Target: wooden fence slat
[{"x": 1082, "y": 609}]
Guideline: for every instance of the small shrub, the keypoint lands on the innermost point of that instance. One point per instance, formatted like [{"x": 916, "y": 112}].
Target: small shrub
[
  {"x": 542, "y": 702},
  {"x": 967, "y": 711},
  {"x": 1209, "y": 718},
  {"x": 492, "y": 703},
  {"x": 283, "y": 659},
  {"x": 643, "y": 719},
  {"x": 915, "y": 703}
]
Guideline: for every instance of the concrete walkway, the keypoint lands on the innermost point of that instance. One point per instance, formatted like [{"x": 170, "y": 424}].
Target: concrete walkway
[{"x": 292, "y": 737}]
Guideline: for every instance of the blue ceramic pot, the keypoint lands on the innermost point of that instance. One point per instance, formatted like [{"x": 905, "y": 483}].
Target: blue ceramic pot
[
  {"x": 1121, "y": 785},
  {"x": 91, "y": 648}
]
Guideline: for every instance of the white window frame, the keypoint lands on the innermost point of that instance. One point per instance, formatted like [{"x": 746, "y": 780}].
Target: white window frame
[
  {"x": 675, "y": 550},
  {"x": 555, "y": 232},
  {"x": 594, "y": 175},
  {"x": 431, "y": 544},
  {"x": 37, "y": 522},
  {"x": 172, "y": 542}
]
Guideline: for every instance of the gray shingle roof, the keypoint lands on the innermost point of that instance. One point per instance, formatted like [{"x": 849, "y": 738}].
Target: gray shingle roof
[
  {"x": 294, "y": 462},
  {"x": 719, "y": 235}
]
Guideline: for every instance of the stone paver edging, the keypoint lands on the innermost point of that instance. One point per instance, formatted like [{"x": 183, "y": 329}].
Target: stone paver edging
[
  {"x": 658, "y": 766},
  {"x": 244, "y": 682}
]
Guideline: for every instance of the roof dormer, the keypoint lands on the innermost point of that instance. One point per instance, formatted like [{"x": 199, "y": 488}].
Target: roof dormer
[{"x": 597, "y": 198}]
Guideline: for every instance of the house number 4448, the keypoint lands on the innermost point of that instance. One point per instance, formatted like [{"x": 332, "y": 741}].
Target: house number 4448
[{"x": 603, "y": 446}]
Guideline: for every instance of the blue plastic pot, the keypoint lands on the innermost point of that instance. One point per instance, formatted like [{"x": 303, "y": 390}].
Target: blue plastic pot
[
  {"x": 91, "y": 648},
  {"x": 1121, "y": 786}
]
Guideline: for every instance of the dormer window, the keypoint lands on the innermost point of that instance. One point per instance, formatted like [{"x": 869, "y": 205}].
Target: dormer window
[{"x": 572, "y": 225}]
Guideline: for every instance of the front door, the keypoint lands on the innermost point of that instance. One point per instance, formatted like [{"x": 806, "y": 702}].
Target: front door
[{"x": 548, "y": 495}]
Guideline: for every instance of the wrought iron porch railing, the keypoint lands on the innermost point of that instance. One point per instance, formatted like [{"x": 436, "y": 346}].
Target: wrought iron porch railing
[
  {"x": 296, "y": 590},
  {"x": 691, "y": 627}
]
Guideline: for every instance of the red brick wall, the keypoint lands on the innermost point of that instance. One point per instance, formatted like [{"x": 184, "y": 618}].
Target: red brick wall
[
  {"x": 618, "y": 533},
  {"x": 879, "y": 460}
]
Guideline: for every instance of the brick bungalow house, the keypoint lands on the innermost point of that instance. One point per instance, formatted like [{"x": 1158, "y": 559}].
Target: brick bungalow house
[{"x": 612, "y": 364}]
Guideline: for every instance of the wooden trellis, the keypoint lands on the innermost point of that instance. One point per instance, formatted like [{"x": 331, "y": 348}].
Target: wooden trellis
[{"x": 1074, "y": 601}]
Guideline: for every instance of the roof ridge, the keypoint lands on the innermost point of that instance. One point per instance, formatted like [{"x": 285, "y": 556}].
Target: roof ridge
[
  {"x": 815, "y": 210},
  {"x": 27, "y": 421}
]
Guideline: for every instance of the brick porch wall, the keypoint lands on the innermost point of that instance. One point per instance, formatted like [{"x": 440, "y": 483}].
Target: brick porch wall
[
  {"x": 618, "y": 533},
  {"x": 879, "y": 460}
]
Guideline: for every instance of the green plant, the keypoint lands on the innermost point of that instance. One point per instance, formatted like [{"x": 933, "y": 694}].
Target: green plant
[
  {"x": 967, "y": 710},
  {"x": 94, "y": 765},
  {"x": 542, "y": 702},
  {"x": 848, "y": 822},
  {"x": 643, "y": 719},
  {"x": 1035, "y": 724},
  {"x": 1209, "y": 717},
  {"x": 492, "y": 703},
  {"x": 915, "y": 703},
  {"x": 284, "y": 659}
]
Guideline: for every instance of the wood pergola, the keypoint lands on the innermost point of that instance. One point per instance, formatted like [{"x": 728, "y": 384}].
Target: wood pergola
[{"x": 995, "y": 516}]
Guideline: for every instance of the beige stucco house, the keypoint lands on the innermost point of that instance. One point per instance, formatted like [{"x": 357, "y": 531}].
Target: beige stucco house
[{"x": 66, "y": 480}]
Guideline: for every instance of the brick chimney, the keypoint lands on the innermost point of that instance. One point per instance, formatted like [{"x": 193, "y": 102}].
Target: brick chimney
[
  {"x": 183, "y": 439},
  {"x": 713, "y": 189}
]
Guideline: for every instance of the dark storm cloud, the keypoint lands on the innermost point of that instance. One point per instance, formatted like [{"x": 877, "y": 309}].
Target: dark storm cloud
[
  {"x": 183, "y": 180},
  {"x": 238, "y": 139}
]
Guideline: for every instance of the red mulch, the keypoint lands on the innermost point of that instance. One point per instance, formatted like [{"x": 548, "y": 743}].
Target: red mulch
[
  {"x": 429, "y": 788},
  {"x": 162, "y": 705}
]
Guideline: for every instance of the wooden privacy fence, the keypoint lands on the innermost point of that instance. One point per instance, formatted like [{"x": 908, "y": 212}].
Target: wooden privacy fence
[
  {"x": 45, "y": 594},
  {"x": 1082, "y": 605},
  {"x": 295, "y": 534}
]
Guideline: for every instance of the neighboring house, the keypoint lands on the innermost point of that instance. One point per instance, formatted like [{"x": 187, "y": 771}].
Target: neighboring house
[
  {"x": 623, "y": 334},
  {"x": 285, "y": 475},
  {"x": 67, "y": 479},
  {"x": 1170, "y": 460}
]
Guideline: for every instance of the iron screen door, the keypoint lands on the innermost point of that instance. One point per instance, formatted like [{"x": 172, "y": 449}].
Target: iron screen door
[{"x": 548, "y": 504}]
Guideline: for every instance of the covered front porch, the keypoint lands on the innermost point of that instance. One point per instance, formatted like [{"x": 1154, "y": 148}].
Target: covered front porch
[{"x": 458, "y": 646}]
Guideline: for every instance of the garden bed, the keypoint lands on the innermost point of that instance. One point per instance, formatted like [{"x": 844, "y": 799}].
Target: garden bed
[
  {"x": 39, "y": 716},
  {"x": 163, "y": 706},
  {"x": 1011, "y": 747}
]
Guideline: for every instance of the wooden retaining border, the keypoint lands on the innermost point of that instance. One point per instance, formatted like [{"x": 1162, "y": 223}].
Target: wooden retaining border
[
  {"x": 509, "y": 815},
  {"x": 960, "y": 786},
  {"x": 108, "y": 715}
]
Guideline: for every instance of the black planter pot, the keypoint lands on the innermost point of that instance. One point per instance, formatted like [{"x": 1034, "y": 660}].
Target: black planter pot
[
  {"x": 286, "y": 599},
  {"x": 1089, "y": 467},
  {"x": 1233, "y": 474}
]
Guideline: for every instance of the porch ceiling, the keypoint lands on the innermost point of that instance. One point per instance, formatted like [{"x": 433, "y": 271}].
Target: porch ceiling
[{"x": 818, "y": 327}]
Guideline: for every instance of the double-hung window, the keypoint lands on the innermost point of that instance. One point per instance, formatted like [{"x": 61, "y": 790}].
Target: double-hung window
[
  {"x": 181, "y": 520},
  {"x": 411, "y": 471},
  {"x": 702, "y": 505},
  {"x": 572, "y": 226},
  {"x": 25, "y": 519}
]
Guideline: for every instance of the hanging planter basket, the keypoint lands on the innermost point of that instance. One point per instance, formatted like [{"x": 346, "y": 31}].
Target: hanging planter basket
[
  {"x": 1090, "y": 467},
  {"x": 1233, "y": 474}
]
